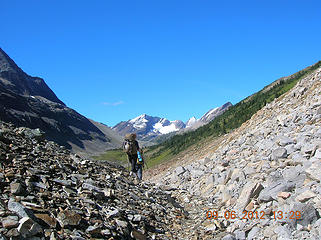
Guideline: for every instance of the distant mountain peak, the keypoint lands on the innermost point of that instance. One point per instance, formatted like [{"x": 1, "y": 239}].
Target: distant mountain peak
[
  {"x": 139, "y": 118},
  {"x": 6, "y": 62},
  {"x": 214, "y": 112},
  {"x": 190, "y": 122},
  {"x": 149, "y": 127}
]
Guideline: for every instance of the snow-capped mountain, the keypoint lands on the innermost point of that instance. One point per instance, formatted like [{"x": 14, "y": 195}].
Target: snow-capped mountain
[
  {"x": 148, "y": 127},
  {"x": 190, "y": 122},
  {"x": 213, "y": 113},
  {"x": 194, "y": 123}
]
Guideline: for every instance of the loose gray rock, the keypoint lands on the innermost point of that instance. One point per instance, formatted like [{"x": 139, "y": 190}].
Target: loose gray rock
[
  {"x": 290, "y": 173},
  {"x": 318, "y": 133},
  {"x": 283, "y": 232},
  {"x": 196, "y": 173},
  {"x": 121, "y": 224},
  {"x": 229, "y": 237},
  {"x": 210, "y": 180},
  {"x": 239, "y": 235},
  {"x": 206, "y": 160},
  {"x": 307, "y": 148},
  {"x": 12, "y": 233},
  {"x": 94, "y": 231},
  {"x": 290, "y": 149},
  {"x": 34, "y": 134},
  {"x": 269, "y": 193},
  {"x": 17, "y": 188},
  {"x": 10, "y": 222},
  {"x": 314, "y": 171},
  {"x": 307, "y": 212},
  {"x": 250, "y": 190},
  {"x": 179, "y": 170},
  {"x": 279, "y": 153},
  {"x": 68, "y": 218},
  {"x": 305, "y": 196},
  {"x": 19, "y": 209},
  {"x": 318, "y": 153},
  {"x": 28, "y": 228},
  {"x": 283, "y": 141},
  {"x": 253, "y": 233}
]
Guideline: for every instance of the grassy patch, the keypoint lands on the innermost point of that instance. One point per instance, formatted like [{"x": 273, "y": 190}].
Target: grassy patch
[
  {"x": 117, "y": 156},
  {"x": 160, "y": 158}
]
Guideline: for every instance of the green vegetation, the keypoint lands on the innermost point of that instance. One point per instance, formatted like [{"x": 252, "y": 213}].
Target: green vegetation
[
  {"x": 119, "y": 157},
  {"x": 116, "y": 156},
  {"x": 232, "y": 118},
  {"x": 153, "y": 160}
]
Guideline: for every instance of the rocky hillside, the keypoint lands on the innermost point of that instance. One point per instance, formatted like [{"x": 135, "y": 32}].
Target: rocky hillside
[
  {"x": 266, "y": 172},
  {"x": 48, "y": 193},
  {"x": 13, "y": 79},
  {"x": 28, "y": 102}
]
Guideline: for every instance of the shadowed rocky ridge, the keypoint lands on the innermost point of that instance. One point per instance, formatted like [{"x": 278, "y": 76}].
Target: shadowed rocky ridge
[
  {"x": 13, "y": 79},
  {"x": 28, "y": 102},
  {"x": 48, "y": 193}
]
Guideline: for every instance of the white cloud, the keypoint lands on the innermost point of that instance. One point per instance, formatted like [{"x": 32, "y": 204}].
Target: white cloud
[{"x": 113, "y": 103}]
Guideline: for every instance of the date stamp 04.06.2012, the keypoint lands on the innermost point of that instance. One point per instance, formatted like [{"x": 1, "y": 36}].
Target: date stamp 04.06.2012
[{"x": 252, "y": 215}]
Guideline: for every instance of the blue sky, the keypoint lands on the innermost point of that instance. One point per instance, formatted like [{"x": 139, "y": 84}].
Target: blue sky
[{"x": 114, "y": 60}]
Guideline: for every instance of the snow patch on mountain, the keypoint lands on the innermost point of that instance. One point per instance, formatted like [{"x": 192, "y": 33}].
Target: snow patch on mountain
[
  {"x": 147, "y": 127},
  {"x": 165, "y": 129},
  {"x": 215, "y": 112},
  {"x": 139, "y": 122},
  {"x": 211, "y": 112},
  {"x": 191, "y": 122}
]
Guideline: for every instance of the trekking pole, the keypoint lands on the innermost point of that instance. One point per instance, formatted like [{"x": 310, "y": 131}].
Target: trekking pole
[{"x": 146, "y": 164}]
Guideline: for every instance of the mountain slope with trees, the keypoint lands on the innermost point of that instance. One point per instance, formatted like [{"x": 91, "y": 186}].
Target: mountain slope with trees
[{"x": 233, "y": 117}]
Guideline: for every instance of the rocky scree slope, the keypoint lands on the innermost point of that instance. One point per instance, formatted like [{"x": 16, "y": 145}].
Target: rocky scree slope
[
  {"x": 48, "y": 193},
  {"x": 28, "y": 102},
  {"x": 271, "y": 163}
]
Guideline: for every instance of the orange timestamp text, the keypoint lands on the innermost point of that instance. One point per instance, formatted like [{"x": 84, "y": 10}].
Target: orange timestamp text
[{"x": 251, "y": 215}]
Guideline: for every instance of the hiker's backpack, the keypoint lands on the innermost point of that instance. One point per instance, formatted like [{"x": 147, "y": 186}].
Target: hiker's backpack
[{"x": 129, "y": 145}]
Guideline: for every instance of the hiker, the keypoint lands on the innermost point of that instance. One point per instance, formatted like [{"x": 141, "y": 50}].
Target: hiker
[{"x": 132, "y": 149}]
